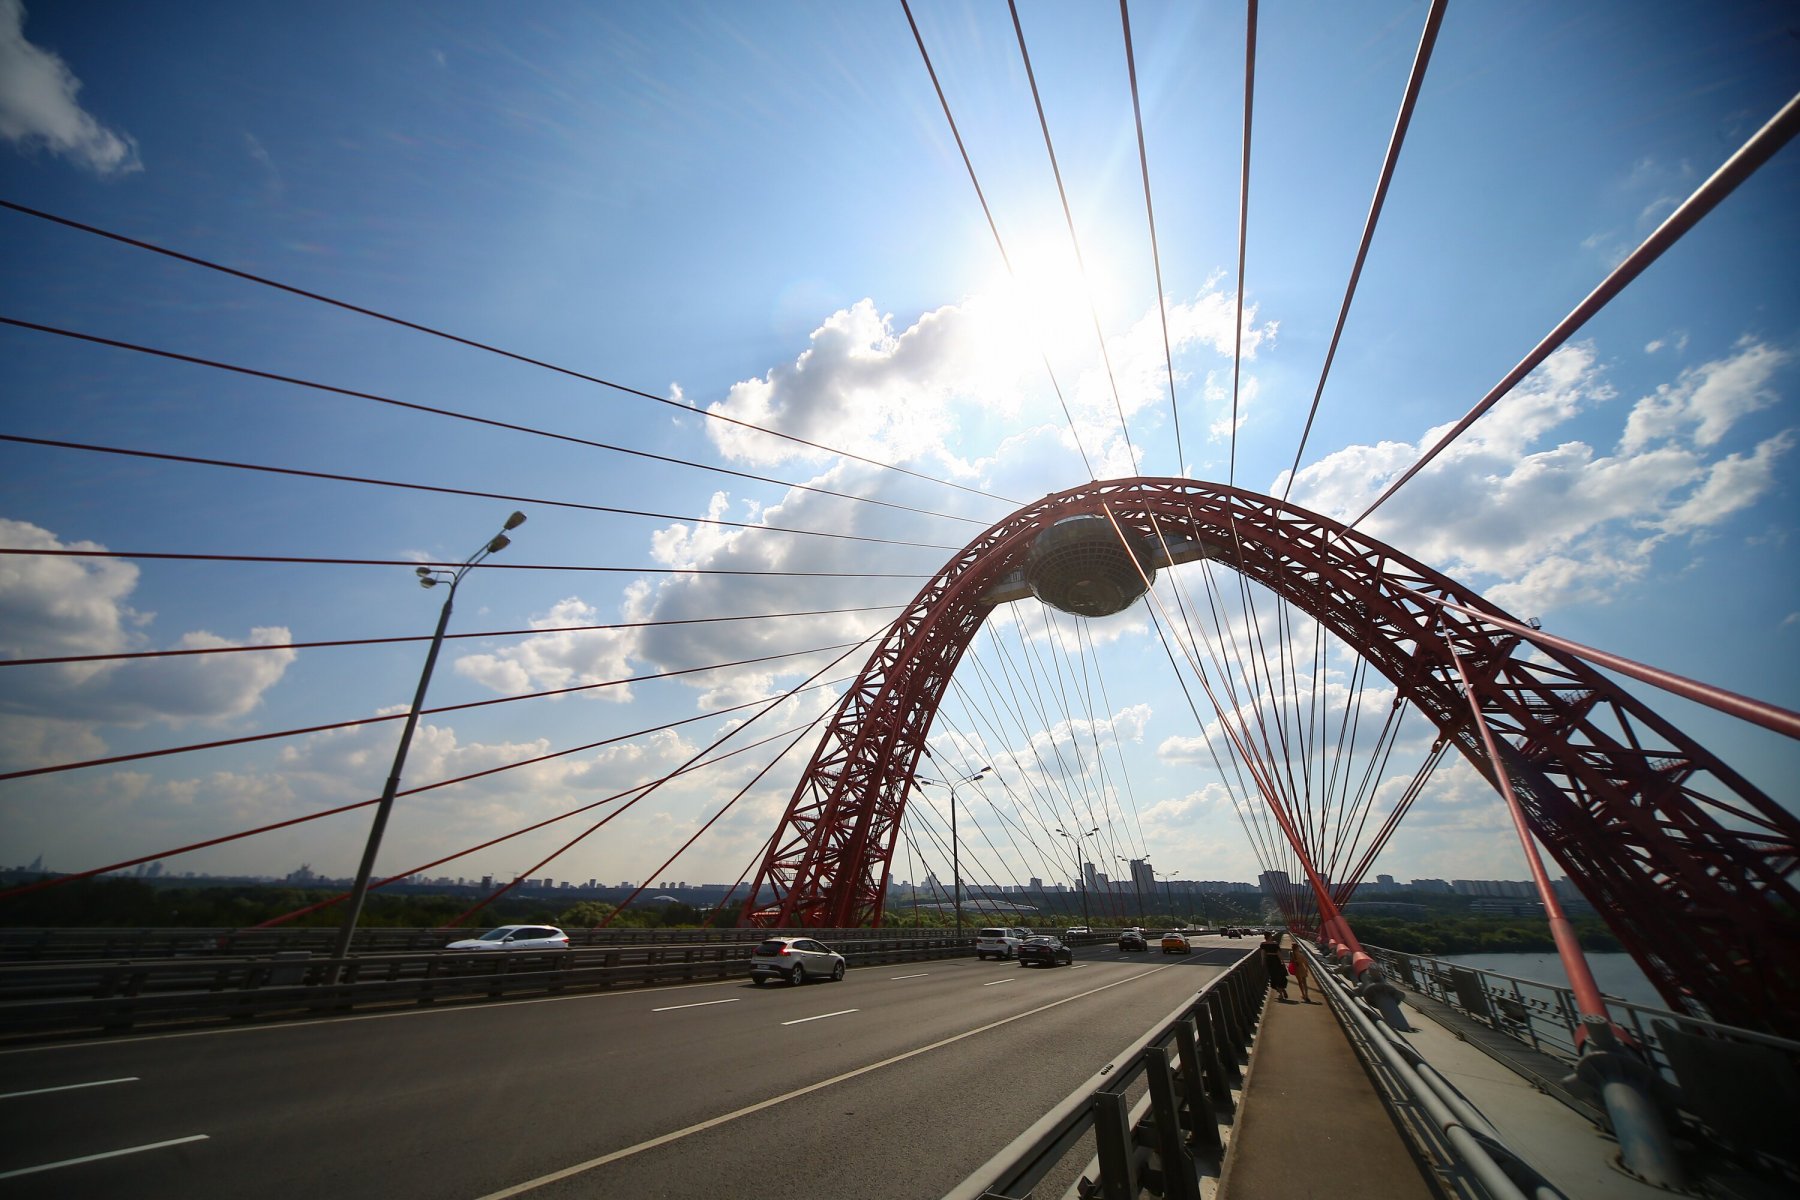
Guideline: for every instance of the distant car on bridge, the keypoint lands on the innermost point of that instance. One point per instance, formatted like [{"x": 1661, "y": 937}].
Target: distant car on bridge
[
  {"x": 1176, "y": 942},
  {"x": 1077, "y": 931},
  {"x": 795, "y": 959},
  {"x": 1044, "y": 951},
  {"x": 1133, "y": 939},
  {"x": 516, "y": 937}
]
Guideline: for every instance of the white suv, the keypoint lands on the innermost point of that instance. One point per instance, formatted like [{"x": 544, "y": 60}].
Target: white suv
[
  {"x": 795, "y": 959},
  {"x": 1000, "y": 943}
]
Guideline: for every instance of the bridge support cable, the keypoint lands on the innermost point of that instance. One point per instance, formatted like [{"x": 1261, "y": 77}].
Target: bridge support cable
[
  {"x": 1263, "y": 846},
  {"x": 133, "y": 655},
  {"x": 376, "y": 719},
  {"x": 1062, "y": 194},
  {"x": 999, "y": 242},
  {"x": 1773, "y": 717},
  {"x": 1054, "y": 777},
  {"x": 1246, "y": 758},
  {"x": 1028, "y": 803},
  {"x": 1762, "y": 146},
  {"x": 656, "y": 785},
  {"x": 630, "y": 795},
  {"x": 1162, "y": 306},
  {"x": 471, "y": 343},
  {"x": 445, "y": 490},
  {"x": 489, "y": 422},
  {"x": 1003, "y": 860},
  {"x": 1434, "y": 19},
  {"x": 1243, "y": 236},
  {"x": 1414, "y": 788},
  {"x": 1091, "y": 656},
  {"x": 77, "y": 876},
  {"x": 710, "y": 822}
]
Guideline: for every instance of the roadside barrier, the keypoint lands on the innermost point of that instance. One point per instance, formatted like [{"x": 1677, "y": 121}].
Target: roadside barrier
[
  {"x": 1170, "y": 1139},
  {"x": 56, "y": 997},
  {"x": 74, "y": 945}
]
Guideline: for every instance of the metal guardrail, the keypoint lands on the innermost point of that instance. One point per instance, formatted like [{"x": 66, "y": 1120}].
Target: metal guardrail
[
  {"x": 69, "y": 996},
  {"x": 1738, "y": 1090},
  {"x": 1170, "y": 1138},
  {"x": 1466, "y": 1137},
  {"x": 66, "y": 944}
]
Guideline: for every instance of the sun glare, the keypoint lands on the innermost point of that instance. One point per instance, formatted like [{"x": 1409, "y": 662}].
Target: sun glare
[{"x": 1047, "y": 305}]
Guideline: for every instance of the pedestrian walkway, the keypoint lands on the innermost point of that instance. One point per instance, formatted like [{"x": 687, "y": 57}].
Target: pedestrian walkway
[{"x": 1310, "y": 1123}]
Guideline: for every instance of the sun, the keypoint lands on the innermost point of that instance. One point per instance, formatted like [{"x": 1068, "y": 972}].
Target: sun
[{"x": 1047, "y": 304}]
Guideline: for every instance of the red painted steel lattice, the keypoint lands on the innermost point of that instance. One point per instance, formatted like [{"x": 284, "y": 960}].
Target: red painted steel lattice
[{"x": 1690, "y": 865}]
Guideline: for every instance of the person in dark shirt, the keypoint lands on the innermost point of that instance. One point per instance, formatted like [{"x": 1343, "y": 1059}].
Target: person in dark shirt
[{"x": 1278, "y": 976}]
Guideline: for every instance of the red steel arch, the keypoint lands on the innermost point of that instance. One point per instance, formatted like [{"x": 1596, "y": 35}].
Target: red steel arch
[{"x": 1691, "y": 865}]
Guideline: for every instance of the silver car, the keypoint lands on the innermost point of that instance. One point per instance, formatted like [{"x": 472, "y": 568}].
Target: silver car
[
  {"x": 795, "y": 959},
  {"x": 516, "y": 937}
]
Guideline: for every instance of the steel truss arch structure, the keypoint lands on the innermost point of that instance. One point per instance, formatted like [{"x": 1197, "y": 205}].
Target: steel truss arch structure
[{"x": 1690, "y": 864}]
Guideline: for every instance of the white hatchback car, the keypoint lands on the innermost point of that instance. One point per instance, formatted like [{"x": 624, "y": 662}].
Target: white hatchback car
[
  {"x": 795, "y": 959},
  {"x": 516, "y": 937}
]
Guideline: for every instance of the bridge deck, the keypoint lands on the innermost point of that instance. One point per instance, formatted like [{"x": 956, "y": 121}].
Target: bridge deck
[{"x": 1311, "y": 1124}]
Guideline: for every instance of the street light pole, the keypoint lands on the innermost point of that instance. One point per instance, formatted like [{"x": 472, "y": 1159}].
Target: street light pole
[
  {"x": 1168, "y": 888},
  {"x": 1081, "y": 875},
  {"x": 1136, "y": 883},
  {"x": 955, "y": 848},
  {"x": 428, "y": 578}
]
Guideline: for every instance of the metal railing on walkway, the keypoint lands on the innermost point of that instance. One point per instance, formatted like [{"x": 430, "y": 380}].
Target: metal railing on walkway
[
  {"x": 1738, "y": 1090},
  {"x": 1170, "y": 1138}
]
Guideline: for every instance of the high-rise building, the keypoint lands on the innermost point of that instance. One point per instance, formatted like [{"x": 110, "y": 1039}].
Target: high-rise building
[
  {"x": 1143, "y": 875},
  {"x": 1087, "y": 873}
]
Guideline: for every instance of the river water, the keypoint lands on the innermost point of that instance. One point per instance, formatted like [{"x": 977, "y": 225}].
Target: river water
[{"x": 1617, "y": 974}]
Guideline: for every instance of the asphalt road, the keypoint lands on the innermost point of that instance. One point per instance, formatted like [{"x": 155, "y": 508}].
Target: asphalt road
[{"x": 897, "y": 1081}]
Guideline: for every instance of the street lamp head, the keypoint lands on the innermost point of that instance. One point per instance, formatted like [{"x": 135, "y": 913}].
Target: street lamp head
[
  {"x": 500, "y": 542},
  {"x": 514, "y": 521},
  {"x": 426, "y": 581}
]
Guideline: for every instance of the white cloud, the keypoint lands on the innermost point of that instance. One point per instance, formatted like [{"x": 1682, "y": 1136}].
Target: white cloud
[
  {"x": 862, "y": 387},
  {"x": 549, "y": 661},
  {"x": 1708, "y": 399},
  {"x": 54, "y": 607},
  {"x": 1544, "y": 521},
  {"x": 38, "y": 105}
]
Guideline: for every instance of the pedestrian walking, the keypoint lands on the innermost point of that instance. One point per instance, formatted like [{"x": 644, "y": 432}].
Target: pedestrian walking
[
  {"x": 1302, "y": 973},
  {"x": 1271, "y": 956}
]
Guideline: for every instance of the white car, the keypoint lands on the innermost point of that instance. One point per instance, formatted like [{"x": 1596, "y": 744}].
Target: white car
[
  {"x": 516, "y": 937},
  {"x": 795, "y": 959},
  {"x": 998, "y": 943}
]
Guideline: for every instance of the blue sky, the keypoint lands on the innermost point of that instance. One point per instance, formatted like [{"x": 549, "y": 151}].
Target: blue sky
[{"x": 763, "y": 210}]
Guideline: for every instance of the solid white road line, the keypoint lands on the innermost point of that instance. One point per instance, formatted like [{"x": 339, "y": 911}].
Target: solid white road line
[
  {"x": 997, "y": 982},
  {"x": 840, "y": 1012},
  {"x": 920, "y": 975},
  {"x": 67, "y": 1087},
  {"x": 88, "y": 1158},
  {"x": 531, "y": 1185},
  {"x": 697, "y": 1004}
]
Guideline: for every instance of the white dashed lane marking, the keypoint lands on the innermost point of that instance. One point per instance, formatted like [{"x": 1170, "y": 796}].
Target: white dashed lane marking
[{"x": 840, "y": 1012}]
